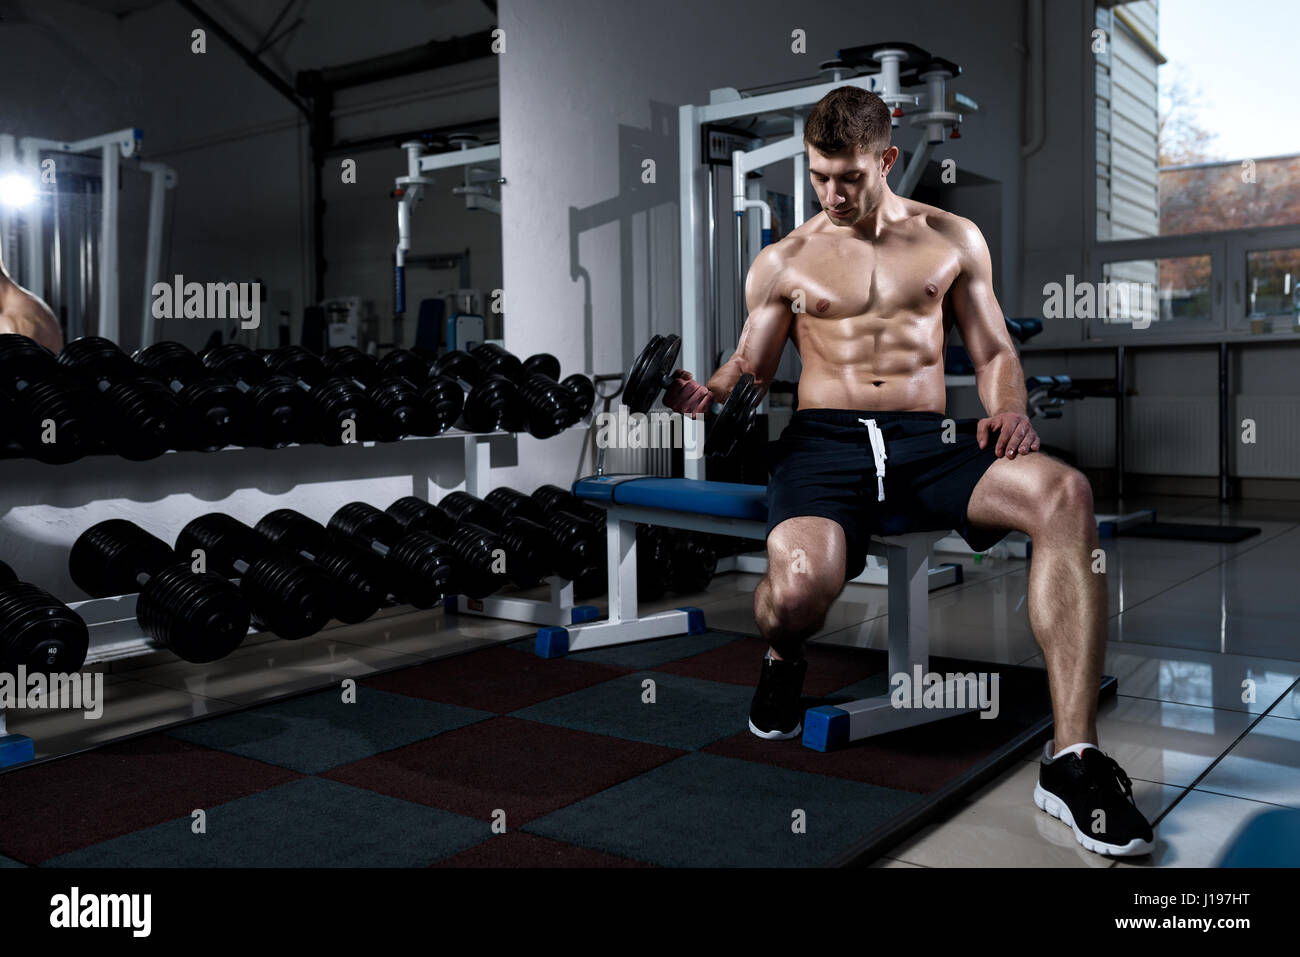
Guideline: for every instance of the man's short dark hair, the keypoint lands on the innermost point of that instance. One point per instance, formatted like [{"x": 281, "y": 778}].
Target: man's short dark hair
[{"x": 848, "y": 118}]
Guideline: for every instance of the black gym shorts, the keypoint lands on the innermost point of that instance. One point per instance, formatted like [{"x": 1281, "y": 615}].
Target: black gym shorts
[{"x": 824, "y": 466}]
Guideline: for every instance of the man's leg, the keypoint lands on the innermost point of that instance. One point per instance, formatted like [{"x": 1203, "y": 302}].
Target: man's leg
[
  {"x": 1078, "y": 783},
  {"x": 1052, "y": 503},
  {"x": 805, "y": 572}
]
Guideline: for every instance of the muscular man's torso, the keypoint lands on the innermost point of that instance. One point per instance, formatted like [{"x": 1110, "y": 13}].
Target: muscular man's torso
[{"x": 871, "y": 329}]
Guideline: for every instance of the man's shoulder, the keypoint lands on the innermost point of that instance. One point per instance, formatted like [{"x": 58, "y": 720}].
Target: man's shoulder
[{"x": 956, "y": 229}]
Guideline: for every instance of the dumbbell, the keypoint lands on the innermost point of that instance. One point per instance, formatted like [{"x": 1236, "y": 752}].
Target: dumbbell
[
  {"x": 407, "y": 364},
  {"x": 351, "y": 363},
  {"x": 287, "y": 595},
  {"x": 279, "y": 411},
  {"x": 491, "y": 401},
  {"x": 390, "y": 405},
  {"x": 142, "y": 418},
  {"x": 549, "y": 407},
  {"x": 513, "y": 504},
  {"x": 37, "y": 630},
  {"x": 397, "y": 396},
  {"x": 421, "y": 567},
  {"x": 527, "y": 545},
  {"x": 479, "y": 548},
  {"x": 693, "y": 562},
  {"x": 541, "y": 378},
  {"x": 442, "y": 397},
  {"x": 215, "y": 412},
  {"x": 56, "y": 418},
  {"x": 652, "y": 373},
  {"x": 198, "y": 616},
  {"x": 580, "y": 556},
  {"x": 653, "y": 562},
  {"x": 338, "y": 400},
  {"x": 357, "y": 596}
]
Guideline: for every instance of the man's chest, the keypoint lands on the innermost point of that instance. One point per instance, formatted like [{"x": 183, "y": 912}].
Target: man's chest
[{"x": 847, "y": 279}]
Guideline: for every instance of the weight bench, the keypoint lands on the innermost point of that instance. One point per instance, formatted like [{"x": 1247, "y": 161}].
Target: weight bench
[{"x": 741, "y": 510}]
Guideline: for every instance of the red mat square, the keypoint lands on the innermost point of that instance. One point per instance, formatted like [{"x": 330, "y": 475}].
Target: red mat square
[
  {"x": 524, "y": 768},
  {"x": 496, "y": 679},
  {"x": 64, "y": 805}
]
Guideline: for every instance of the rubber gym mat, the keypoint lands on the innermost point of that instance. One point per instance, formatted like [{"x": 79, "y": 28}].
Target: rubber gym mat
[
  {"x": 630, "y": 756},
  {"x": 1179, "y": 531}
]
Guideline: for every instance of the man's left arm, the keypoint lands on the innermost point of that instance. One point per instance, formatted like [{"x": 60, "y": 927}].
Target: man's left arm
[{"x": 998, "y": 375}]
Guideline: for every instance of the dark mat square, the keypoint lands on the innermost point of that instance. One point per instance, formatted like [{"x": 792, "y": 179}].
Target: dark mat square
[
  {"x": 687, "y": 713},
  {"x": 320, "y": 731},
  {"x": 705, "y": 810},
  {"x": 520, "y": 849},
  {"x": 308, "y": 823},
  {"x": 641, "y": 655},
  {"x": 523, "y": 768}
]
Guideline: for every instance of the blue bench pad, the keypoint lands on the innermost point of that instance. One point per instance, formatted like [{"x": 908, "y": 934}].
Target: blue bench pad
[{"x": 677, "y": 494}]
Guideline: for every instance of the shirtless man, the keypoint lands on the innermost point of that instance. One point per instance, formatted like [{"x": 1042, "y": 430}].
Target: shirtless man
[
  {"x": 868, "y": 290},
  {"x": 26, "y": 314}
]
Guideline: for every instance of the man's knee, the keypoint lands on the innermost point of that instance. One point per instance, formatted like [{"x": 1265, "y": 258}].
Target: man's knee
[
  {"x": 797, "y": 607},
  {"x": 1068, "y": 504}
]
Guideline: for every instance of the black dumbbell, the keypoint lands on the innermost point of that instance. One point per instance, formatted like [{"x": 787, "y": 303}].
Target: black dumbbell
[
  {"x": 339, "y": 400},
  {"x": 491, "y": 401},
  {"x": 389, "y": 406},
  {"x": 580, "y": 555},
  {"x": 416, "y": 515},
  {"x": 357, "y": 595},
  {"x": 215, "y": 411},
  {"x": 199, "y": 617},
  {"x": 409, "y": 365},
  {"x": 653, "y": 562},
  {"x": 37, "y": 631},
  {"x": 576, "y": 396},
  {"x": 279, "y": 411},
  {"x": 287, "y": 595},
  {"x": 351, "y": 363},
  {"x": 142, "y": 418},
  {"x": 419, "y": 568},
  {"x": 513, "y": 504},
  {"x": 56, "y": 418},
  {"x": 548, "y": 406},
  {"x": 526, "y": 544},
  {"x": 483, "y": 557},
  {"x": 693, "y": 563}
]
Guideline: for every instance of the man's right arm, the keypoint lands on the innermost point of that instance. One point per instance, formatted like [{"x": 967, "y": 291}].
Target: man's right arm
[{"x": 762, "y": 341}]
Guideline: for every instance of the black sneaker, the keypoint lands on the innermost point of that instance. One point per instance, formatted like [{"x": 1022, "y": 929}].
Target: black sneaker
[
  {"x": 1090, "y": 788},
  {"x": 776, "y": 713}
]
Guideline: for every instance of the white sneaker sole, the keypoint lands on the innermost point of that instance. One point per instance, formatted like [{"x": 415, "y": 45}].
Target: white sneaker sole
[
  {"x": 1053, "y": 805},
  {"x": 778, "y": 735}
]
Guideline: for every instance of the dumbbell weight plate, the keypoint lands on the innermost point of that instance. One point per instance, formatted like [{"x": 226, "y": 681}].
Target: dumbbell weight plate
[
  {"x": 542, "y": 362},
  {"x": 650, "y": 372},
  {"x": 735, "y": 419},
  {"x": 583, "y": 392}
]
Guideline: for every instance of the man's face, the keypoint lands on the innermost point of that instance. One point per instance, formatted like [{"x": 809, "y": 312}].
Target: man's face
[{"x": 849, "y": 184}]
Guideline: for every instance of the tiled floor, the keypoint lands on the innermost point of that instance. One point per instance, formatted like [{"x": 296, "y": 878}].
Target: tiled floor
[{"x": 1204, "y": 639}]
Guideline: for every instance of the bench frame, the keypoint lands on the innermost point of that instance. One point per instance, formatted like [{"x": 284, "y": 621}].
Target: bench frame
[{"x": 909, "y": 579}]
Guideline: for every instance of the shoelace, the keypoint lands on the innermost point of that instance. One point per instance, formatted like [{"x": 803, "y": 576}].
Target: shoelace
[{"x": 1110, "y": 772}]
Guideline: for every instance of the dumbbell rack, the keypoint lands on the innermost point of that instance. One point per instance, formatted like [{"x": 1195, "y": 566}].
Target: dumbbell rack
[{"x": 115, "y": 635}]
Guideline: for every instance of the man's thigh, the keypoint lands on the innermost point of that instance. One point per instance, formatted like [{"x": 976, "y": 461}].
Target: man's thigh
[{"x": 1013, "y": 493}]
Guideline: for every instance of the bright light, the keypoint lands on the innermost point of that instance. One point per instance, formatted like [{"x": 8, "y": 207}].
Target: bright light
[{"x": 16, "y": 190}]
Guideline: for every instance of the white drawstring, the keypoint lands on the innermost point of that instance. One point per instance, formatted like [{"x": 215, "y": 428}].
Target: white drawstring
[{"x": 878, "y": 450}]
